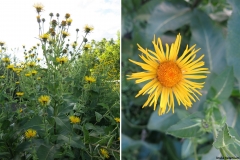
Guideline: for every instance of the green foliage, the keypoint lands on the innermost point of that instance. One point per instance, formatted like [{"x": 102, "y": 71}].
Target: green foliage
[
  {"x": 65, "y": 105},
  {"x": 211, "y": 127}
]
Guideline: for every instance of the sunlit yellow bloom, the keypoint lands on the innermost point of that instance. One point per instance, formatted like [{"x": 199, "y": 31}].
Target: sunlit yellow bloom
[
  {"x": 44, "y": 37},
  {"x": 74, "y": 119},
  {"x": 17, "y": 82},
  {"x": 6, "y": 60},
  {"x": 30, "y": 133},
  {"x": 38, "y": 78},
  {"x": 28, "y": 74},
  {"x": 39, "y": 7},
  {"x": 87, "y": 46},
  {"x": 44, "y": 100},
  {"x": 62, "y": 60},
  {"x": 74, "y": 45},
  {"x": 69, "y": 21},
  {"x": 2, "y": 77},
  {"x": 20, "y": 110},
  {"x": 34, "y": 72},
  {"x": 38, "y": 59},
  {"x": 88, "y": 29},
  {"x": 10, "y": 66},
  {"x": 90, "y": 79},
  {"x": 169, "y": 75},
  {"x": 104, "y": 153},
  {"x": 20, "y": 94},
  {"x": 117, "y": 119},
  {"x": 65, "y": 34},
  {"x": 31, "y": 64}
]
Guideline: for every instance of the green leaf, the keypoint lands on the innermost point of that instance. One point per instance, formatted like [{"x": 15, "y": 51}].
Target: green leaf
[
  {"x": 233, "y": 38},
  {"x": 49, "y": 152},
  {"x": 223, "y": 85},
  {"x": 98, "y": 116},
  {"x": 34, "y": 123},
  {"x": 63, "y": 123},
  {"x": 73, "y": 141},
  {"x": 187, "y": 148},
  {"x": 223, "y": 138},
  {"x": 163, "y": 122},
  {"x": 209, "y": 37},
  {"x": 187, "y": 127},
  {"x": 85, "y": 134}
]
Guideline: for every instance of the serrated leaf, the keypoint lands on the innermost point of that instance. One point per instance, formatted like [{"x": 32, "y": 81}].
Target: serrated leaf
[
  {"x": 86, "y": 134},
  {"x": 98, "y": 116},
  {"x": 187, "y": 148},
  {"x": 223, "y": 138},
  {"x": 233, "y": 38},
  {"x": 61, "y": 122},
  {"x": 209, "y": 37},
  {"x": 34, "y": 123},
  {"x": 187, "y": 127}
]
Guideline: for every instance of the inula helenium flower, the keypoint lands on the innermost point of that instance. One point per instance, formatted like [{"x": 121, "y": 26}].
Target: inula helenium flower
[
  {"x": 169, "y": 76},
  {"x": 104, "y": 153},
  {"x": 30, "y": 133}
]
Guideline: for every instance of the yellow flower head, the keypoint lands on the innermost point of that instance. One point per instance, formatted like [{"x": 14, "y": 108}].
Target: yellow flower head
[
  {"x": 90, "y": 79},
  {"x": 17, "y": 82},
  {"x": 34, "y": 72},
  {"x": 38, "y": 78},
  {"x": 69, "y": 21},
  {"x": 87, "y": 46},
  {"x": 169, "y": 75},
  {"x": 44, "y": 37},
  {"x": 20, "y": 110},
  {"x": 6, "y": 60},
  {"x": 39, "y": 7},
  {"x": 31, "y": 64},
  {"x": 44, "y": 100},
  {"x": 2, "y": 43},
  {"x": 74, "y": 119},
  {"x": 62, "y": 60},
  {"x": 20, "y": 94},
  {"x": 117, "y": 119},
  {"x": 30, "y": 133},
  {"x": 10, "y": 66},
  {"x": 74, "y": 44},
  {"x": 65, "y": 34},
  {"x": 38, "y": 59},
  {"x": 88, "y": 29},
  {"x": 28, "y": 74},
  {"x": 2, "y": 77},
  {"x": 104, "y": 153}
]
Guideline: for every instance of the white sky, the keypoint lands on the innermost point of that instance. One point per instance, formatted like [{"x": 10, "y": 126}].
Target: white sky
[{"x": 18, "y": 23}]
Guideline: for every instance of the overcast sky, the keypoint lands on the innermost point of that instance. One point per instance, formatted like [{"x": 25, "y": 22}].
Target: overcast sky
[{"x": 18, "y": 24}]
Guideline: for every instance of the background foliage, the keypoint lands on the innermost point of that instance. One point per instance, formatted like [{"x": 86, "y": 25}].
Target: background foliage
[{"x": 211, "y": 127}]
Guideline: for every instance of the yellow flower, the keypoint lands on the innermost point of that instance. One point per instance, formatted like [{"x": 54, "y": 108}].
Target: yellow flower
[
  {"x": 74, "y": 119},
  {"x": 20, "y": 94},
  {"x": 65, "y": 34},
  {"x": 88, "y": 29},
  {"x": 30, "y": 133},
  {"x": 6, "y": 60},
  {"x": 44, "y": 100},
  {"x": 38, "y": 78},
  {"x": 17, "y": 82},
  {"x": 38, "y": 59},
  {"x": 31, "y": 64},
  {"x": 169, "y": 76},
  {"x": 87, "y": 46},
  {"x": 117, "y": 119},
  {"x": 34, "y": 72},
  {"x": 2, "y": 76},
  {"x": 90, "y": 79},
  {"x": 69, "y": 21},
  {"x": 104, "y": 153},
  {"x": 62, "y": 60},
  {"x": 44, "y": 37},
  {"x": 2, "y": 43},
  {"x": 20, "y": 110},
  {"x": 74, "y": 44},
  {"x": 39, "y": 7},
  {"x": 10, "y": 66},
  {"x": 27, "y": 74}
]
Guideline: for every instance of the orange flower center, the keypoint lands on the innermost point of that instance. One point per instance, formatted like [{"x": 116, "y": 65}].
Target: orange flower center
[{"x": 169, "y": 74}]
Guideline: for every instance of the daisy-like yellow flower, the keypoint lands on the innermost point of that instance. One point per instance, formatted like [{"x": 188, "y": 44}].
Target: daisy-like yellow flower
[
  {"x": 104, "y": 153},
  {"x": 17, "y": 82},
  {"x": 39, "y": 7},
  {"x": 90, "y": 79},
  {"x": 74, "y": 119},
  {"x": 38, "y": 78},
  {"x": 44, "y": 37},
  {"x": 28, "y": 74},
  {"x": 117, "y": 119},
  {"x": 38, "y": 59},
  {"x": 169, "y": 75},
  {"x": 6, "y": 60},
  {"x": 44, "y": 100},
  {"x": 10, "y": 66},
  {"x": 31, "y": 64},
  {"x": 62, "y": 60},
  {"x": 87, "y": 46},
  {"x": 88, "y": 29},
  {"x": 34, "y": 72},
  {"x": 30, "y": 133},
  {"x": 20, "y": 94},
  {"x": 69, "y": 21},
  {"x": 65, "y": 34},
  {"x": 20, "y": 110}
]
